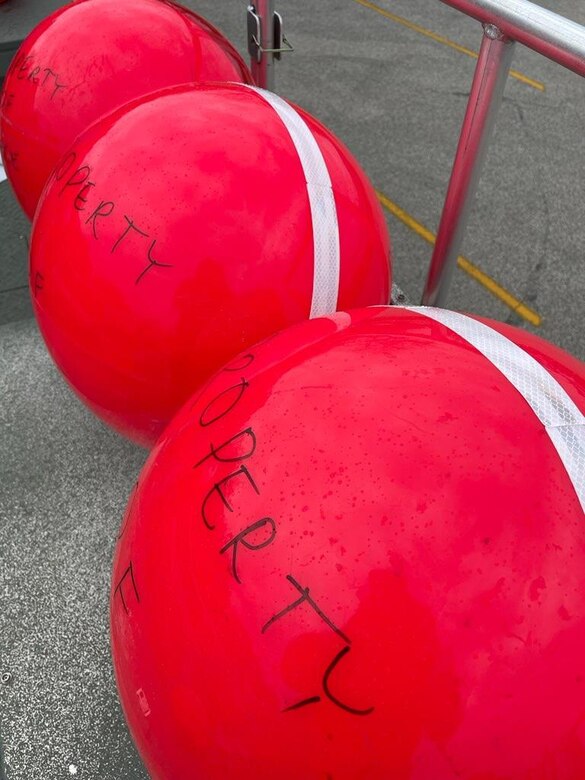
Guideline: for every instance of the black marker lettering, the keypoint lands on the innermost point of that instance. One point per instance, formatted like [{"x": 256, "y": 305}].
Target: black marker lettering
[
  {"x": 327, "y": 690},
  {"x": 303, "y": 703},
  {"x": 305, "y": 597},
  {"x": 334, "y": 699},
  {"x": 217, "y": 489},
  {"x": 241, "y": 539},
  {"x": 240, "y": 364},
  {"x": 24, "y": 66},
  {"x": 131, "y": 226},
  {"x": 103, "y": 210},
  {"x": 57, "y": 88},
  {"x": 48, "y": 72},
  {"x": 78, "y": 177},
  {"x": 215, "y": 451},
  {"x": 120, "y": 590},
  {"x": 236, "y": 390},
  {"x": 152, "y": 262},
  {"x": 34, "y": 72},
  {"x": 64, "y": 166},
  {"x": 80, "y": 199}
]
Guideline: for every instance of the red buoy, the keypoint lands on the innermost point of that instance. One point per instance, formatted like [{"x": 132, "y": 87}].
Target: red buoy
[
  {"x": 359, "y": 552},
  {"x": 89, "y": 58},
  {"x": 187, "y": 227}
]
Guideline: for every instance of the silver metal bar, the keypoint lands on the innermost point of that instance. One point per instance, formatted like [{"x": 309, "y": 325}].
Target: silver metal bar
[
  {"x": 495, "y": 57},
  {"x": 263, "y": 71},
  {"x": 546, "y": 32}
]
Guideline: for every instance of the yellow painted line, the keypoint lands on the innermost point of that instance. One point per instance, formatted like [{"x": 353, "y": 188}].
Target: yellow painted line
[
  {"x": 496, "y": 289},
  {"x": 445, "y": 41}
]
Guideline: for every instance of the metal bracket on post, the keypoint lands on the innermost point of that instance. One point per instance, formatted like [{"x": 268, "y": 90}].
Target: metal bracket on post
[
  {"x": 281, "y": 44},
  {"x": 266, "y": 41},
  {"x": 487, "y": 90}
]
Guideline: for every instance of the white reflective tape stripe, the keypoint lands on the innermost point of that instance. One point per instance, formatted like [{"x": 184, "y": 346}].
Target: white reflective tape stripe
[
  {"x": 322, "y": 203},
  {"x": 562, "y": 419},
  {"x": 2, "y": 172}
]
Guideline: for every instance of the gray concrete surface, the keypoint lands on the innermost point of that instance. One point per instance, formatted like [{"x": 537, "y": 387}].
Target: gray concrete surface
[
  {"x": 14, "y": 236},
  {"x": 64, "y": 481},
  {"x": 17, "y": 18},
  {"x": 397, "y": 100}
]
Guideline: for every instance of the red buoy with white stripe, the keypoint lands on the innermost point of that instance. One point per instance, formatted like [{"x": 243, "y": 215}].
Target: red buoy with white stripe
[
  {"x": 186, "y": 227},
  {"x": 359, "y": 552}
]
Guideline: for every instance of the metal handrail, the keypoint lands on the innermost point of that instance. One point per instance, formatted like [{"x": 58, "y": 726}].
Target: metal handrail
[
  {"x": 504, "y": 22},
  {"x": 557, "y": 38}
]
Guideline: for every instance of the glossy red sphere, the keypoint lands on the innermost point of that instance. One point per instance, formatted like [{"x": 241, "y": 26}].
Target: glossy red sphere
[
  {"x": 180, "y": 231},
  {"x": 89, "y": 58},
  {"x": 356, "y": 554}
]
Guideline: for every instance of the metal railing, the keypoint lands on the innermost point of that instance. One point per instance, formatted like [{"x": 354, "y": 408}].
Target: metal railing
[
  {"x": 546, "y": 32},
  {"x": 505, "y": 23}
]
